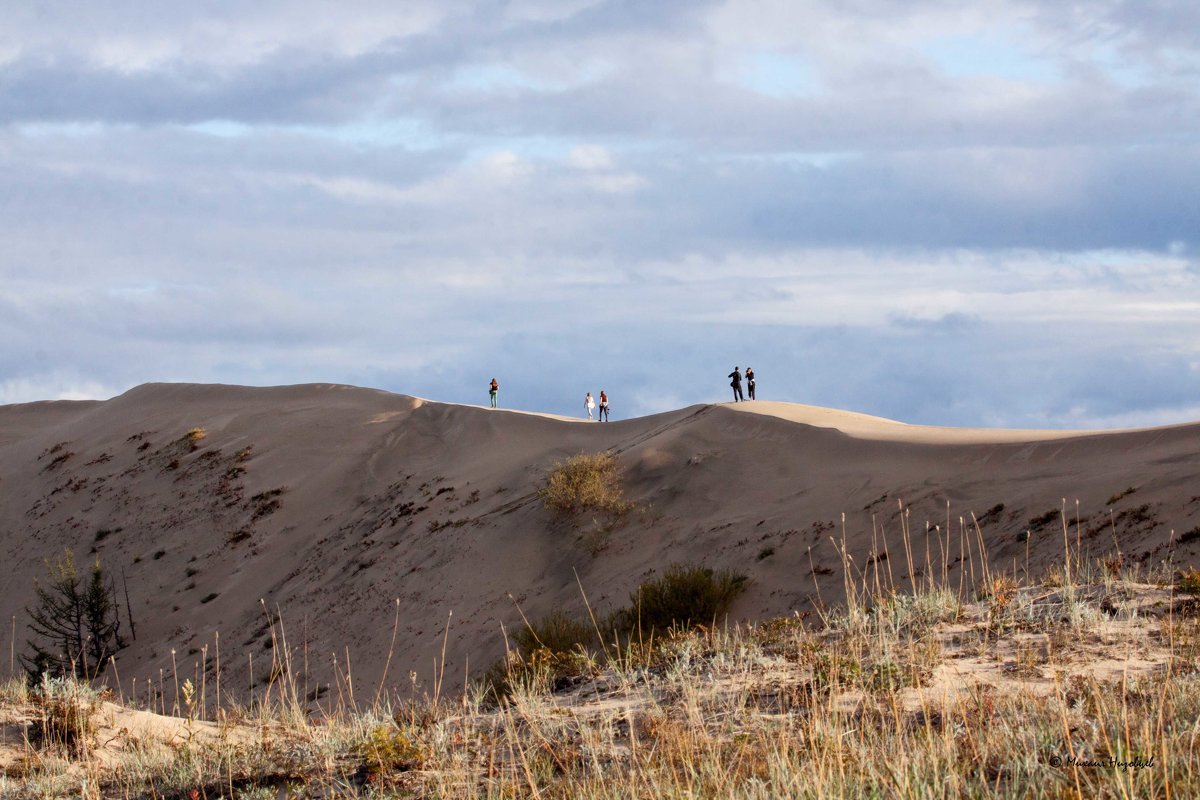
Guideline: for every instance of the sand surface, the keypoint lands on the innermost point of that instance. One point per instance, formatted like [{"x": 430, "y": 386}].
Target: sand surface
[
  {"x": 880, "y": 429},
  {"x": 347, "y": 511}
]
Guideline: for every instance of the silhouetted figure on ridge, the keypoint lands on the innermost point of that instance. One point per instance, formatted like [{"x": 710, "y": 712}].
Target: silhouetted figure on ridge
[{"x": 736, "y": 383}]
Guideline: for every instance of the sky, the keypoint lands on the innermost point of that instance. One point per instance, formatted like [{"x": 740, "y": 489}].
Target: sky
[{"x": 981, "y": 214}]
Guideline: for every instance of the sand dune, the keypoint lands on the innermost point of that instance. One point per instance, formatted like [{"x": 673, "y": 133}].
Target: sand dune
[{"x": 345, "y": 509}]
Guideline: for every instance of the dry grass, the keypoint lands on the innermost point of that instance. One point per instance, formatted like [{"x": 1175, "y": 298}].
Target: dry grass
[{"x": 1084, "y": 688}]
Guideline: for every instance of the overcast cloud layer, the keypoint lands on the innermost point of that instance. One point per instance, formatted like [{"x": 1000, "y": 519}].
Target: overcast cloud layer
[{"x": 968, "y": 214}]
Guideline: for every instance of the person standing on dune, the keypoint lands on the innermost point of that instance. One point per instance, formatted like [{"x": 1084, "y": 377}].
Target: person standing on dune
[
  {"x": 493, "y": 390},
  {"x": 736, "y": 382},
  {"x": 603, "y": 406},
  {"x": 590, "y": 403},
  {"x": 750, "y": 381}
]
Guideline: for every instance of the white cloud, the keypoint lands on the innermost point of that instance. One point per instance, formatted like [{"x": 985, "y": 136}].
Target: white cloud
[
  {"x": 132, "y": 36},
  {"x": 285, "y": 192},
  {"x": 34, "y": 388},
  {"x": 591, "y": 157}
]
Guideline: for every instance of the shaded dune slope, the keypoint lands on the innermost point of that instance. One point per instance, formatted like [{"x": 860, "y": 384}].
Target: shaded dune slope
[{"x": 331, "y": 503}]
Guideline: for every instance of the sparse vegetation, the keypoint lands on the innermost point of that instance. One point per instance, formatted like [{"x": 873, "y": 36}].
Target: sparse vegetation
[
  {"x": 559, "y": 647},
  {"x": 585, "y": 483},
  {"x": 991, "y": 514},
  {"x": 437, "y": 525},
  {"x": 240, "y": 535},
  {"x": 387, "y": 748},
  {"x": 266, "y": 503},
  {"x": 557, "y": 632},
  {"x": 884, "y": 697},
  {"x": 193, "y": 437},
  {"x": 104, "y": 533},
  {"x": 1042, "y": 520},
  {"x": 57, "y": 461},
  {"x": 682, "y": 597},
  {"x": 1189, "y": 581},
  {"x": 1119, "y": 495},
  {"x": 65, "y": 721}
]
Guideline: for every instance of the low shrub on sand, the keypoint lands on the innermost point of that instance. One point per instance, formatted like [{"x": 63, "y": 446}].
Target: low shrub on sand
[
  {"x": 585, "y": 483},
  {"x": 559, "y": 647},
  {"x": 66, "y": 716},
  {"x": 683, "y": 597}
]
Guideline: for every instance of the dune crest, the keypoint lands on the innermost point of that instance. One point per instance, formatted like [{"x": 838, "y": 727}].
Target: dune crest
[{"x": 881, "y": 429}]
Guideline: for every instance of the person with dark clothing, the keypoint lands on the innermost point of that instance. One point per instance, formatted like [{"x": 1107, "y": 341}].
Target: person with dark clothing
[
  {"x": 603, "y": 406},
  {"x": 750, "y": 381},
  {"x": 493, "y": 390},
  {"x": 736, "y": 383}
]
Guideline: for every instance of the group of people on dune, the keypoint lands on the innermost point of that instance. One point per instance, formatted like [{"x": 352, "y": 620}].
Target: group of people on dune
[{"x": 590, "y": 404}]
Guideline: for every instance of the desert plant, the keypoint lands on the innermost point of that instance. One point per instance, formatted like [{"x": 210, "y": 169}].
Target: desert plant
[
  {"x": 548, "y": 650},
  {"x": 75, "y": 624},
  {"x": 559, "y": 647},
  {"x": 682, "y": 597},
  {"x": 66, "y": 716},
  {"x": 386, "y": 748},
  {"x": 583, "y": 483},
  {"x": 1113, "y": 500},
  {"x": 556, "y": 632},
  {"x": 192, "y": 437},
  {"x": 1189, "y": 581}
]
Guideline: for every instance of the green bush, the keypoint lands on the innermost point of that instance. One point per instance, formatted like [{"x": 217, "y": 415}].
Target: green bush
[
  {"x": 559, "y": 647},
  {"x": 683, "y": 597},
  {"x": 555, "y": 648},
  {"x": 585, "y": 483},
  {"x": 1189, "y": 581},
  {"x": 556, "y": 632},
  {"x": 388, "y": 748}
]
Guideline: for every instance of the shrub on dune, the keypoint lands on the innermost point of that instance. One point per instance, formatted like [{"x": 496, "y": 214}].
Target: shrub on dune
[{"x": 589, "y": 482}]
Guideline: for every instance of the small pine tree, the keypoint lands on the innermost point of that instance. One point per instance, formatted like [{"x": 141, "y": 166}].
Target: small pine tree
[
  {"x": 75, "y": 625},
  {"x": 101, "y": 619}
]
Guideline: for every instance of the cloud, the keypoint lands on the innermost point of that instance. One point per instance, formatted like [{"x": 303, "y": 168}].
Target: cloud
[{"x": 928, "y": 212}]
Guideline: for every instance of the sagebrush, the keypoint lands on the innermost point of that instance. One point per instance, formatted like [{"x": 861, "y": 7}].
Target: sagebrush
[{"x": 588, "y": 482}]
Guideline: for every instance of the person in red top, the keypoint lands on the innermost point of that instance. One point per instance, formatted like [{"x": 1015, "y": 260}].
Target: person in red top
[{"x": 603, "y": 406}]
